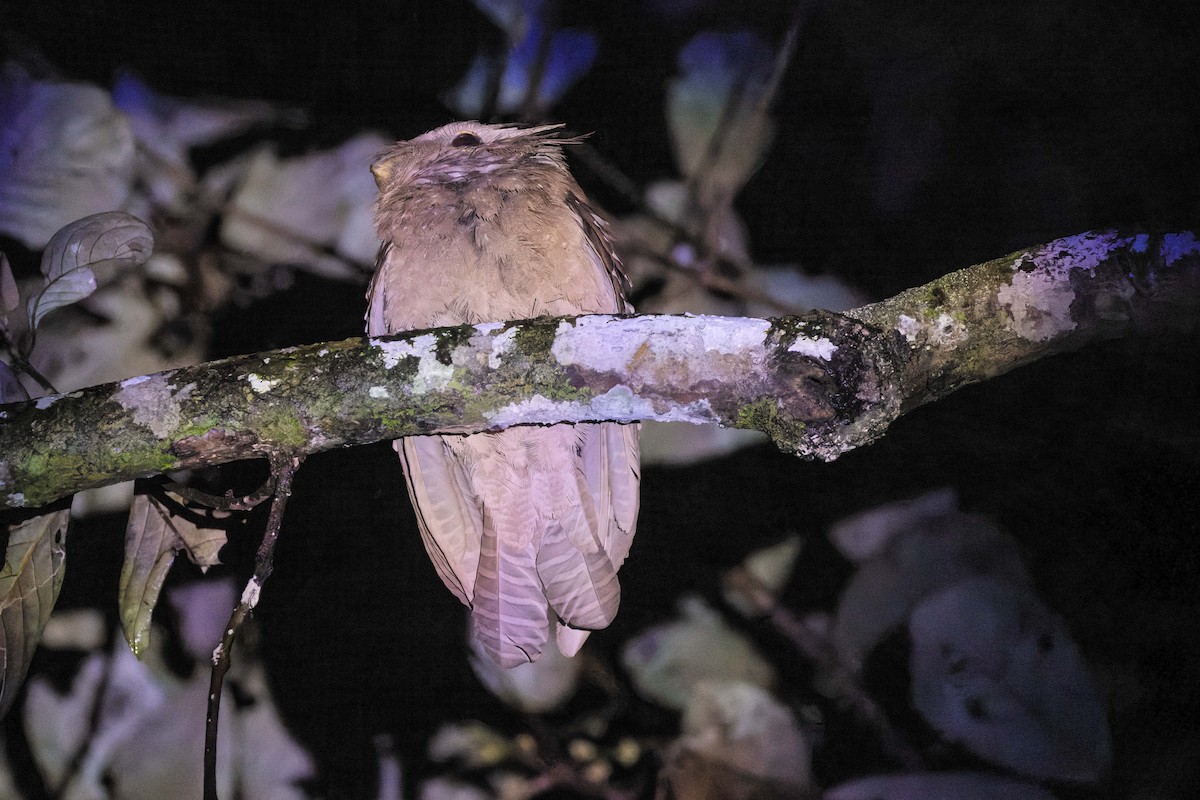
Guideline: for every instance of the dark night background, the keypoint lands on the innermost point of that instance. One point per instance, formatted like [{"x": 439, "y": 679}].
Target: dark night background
[{"x": 913, "y": 139}]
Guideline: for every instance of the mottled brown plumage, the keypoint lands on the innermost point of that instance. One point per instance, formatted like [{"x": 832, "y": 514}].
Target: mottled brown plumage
[{"x": 527, "y": 526}]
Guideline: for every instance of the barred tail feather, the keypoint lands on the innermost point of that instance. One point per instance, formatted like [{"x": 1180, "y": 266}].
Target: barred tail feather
[
  {"x": 580, "y": 584},
  {"x": 509, "y": 612}
]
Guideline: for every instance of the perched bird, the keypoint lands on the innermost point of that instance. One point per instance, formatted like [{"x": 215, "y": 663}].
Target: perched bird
[{"x": 529, "y": 525}]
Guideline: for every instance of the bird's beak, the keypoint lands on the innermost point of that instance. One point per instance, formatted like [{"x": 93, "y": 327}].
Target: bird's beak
[{"x": 382, "y": 170}]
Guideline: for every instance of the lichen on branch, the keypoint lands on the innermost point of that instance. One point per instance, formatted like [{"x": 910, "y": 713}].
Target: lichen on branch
[{"x": 819, "y": 385}]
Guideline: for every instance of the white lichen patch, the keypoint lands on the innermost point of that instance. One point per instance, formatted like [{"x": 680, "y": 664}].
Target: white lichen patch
[
  {"x": 618, "y": 404},
  {"x": 1085, "y": 251},
  {"x": 154, "y": 403},
  {"x": 680, "y": 339},
  {"x": 537, "y": 409},
  {"x": 488, "y": 328},
  {"x": 909, "y": 327},
  {"x": 251, "y": 593},
  {"x": 1039, "y": 304},
  {"x": 811, "y": 347},
  {"x": 946, "y": 330},
  {"x": 42, "y": 403},
  {"x": 1177, "y": 245},
  {"x": 15, "y": 500},
  {"x": 942, "y": 331},
  {"x": 378, "y": 392},
  {"x": 501, "y": 344},
  {"x": 432, "y": 375},
  {"x": 260, "y": 384}
]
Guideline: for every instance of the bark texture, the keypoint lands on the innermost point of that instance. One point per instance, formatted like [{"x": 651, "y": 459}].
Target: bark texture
[{"x": 819, "y": 385}]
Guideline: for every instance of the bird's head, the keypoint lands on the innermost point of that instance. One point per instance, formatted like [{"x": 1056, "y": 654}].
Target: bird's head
[{"x": 465, "y": 152}]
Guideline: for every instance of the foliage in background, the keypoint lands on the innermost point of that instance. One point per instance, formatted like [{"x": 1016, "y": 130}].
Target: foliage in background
[{"x": 920, "y": 569}]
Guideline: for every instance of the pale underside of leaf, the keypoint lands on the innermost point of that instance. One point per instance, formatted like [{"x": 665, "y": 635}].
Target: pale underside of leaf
[
  {"x": 152, "y": 539},
  {"x": 100, "y": 244},
  {"x": 29, "y": 584}
]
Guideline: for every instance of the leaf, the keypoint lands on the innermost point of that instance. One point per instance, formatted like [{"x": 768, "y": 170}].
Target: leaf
[
  {"x": 294, "y": 210},
  {"x": 937, "y": 786},
  {"x": 29, "y": 583},
  {"x": 65, "y": 152},
  {"x": 9, "y": 298},
  {"x": 102, "y": 243},
  {"x": 715, "y": 111},
  {"x": 743, "y": 727},
  {"x": 667, "y": 661},
  {"x": 992, "y": 668},
  {"x": 152, "y": 539}
]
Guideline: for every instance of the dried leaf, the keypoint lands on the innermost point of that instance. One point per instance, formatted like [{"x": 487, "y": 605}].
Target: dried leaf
[
  {"x": 100, "y": 243},
  {"x": 116, "y": 340},
  {"x": 9, "y": 297},
  {"x": 152, "y": 539},
  {"x": 65, "y": 152},
  {"x": 293, "y": 211},
  {"x": 743, "y": 727},
  {"x": 922, "y": 547},
  {"x": 718, "y": 124},
  {"x": 667, "y": 661},
  {"x": 993, "y": 669},
  {"x": 29, "y": 582}
]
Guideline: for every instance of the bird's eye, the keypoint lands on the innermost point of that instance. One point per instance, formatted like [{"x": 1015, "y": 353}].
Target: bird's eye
[{"x": 465, "y": 139}]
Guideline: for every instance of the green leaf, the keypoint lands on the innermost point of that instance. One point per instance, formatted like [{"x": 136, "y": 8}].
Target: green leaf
[
  {"x": 29, "y": 584},
  {"x": 152, "y": 539},
  {"x": 100, "y": 245}
]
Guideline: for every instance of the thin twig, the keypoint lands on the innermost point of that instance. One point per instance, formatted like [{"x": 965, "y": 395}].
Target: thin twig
[
  {"x": 283, "y": 471},
  {"x": 719, "y": 283},
  {"x": 21, "y": 361},
  {"x": 225, "y": 502},
  {"x": 821, "y": 652}
]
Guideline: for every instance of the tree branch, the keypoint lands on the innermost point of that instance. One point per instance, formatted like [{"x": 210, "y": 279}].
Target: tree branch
[{"x": 819, "y": 385}]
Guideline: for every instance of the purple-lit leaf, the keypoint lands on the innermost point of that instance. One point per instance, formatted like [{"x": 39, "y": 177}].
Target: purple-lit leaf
[
  {"x": 167, "y": 128},
  {"x": 152, "y": 539},
  {"x": 65, "y": 152},
  {"x": 295, "y": 210},
  {"x": 716, "y": 112},
  {"x": 909, "y": 550},
  {"x": 29, "y": 582},
  {"x": 994, "y": 670},
  {"x": 937, "y": 786},
  {"x": 94, "y": 246},
  {"x": 555, "y": 64}
]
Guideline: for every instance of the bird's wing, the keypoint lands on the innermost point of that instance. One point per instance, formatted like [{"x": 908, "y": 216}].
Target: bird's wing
[
  {"x": 622, "y": 466},
  {"x": 448, "y": 512},
  {"x": 601, "y": 252}
]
